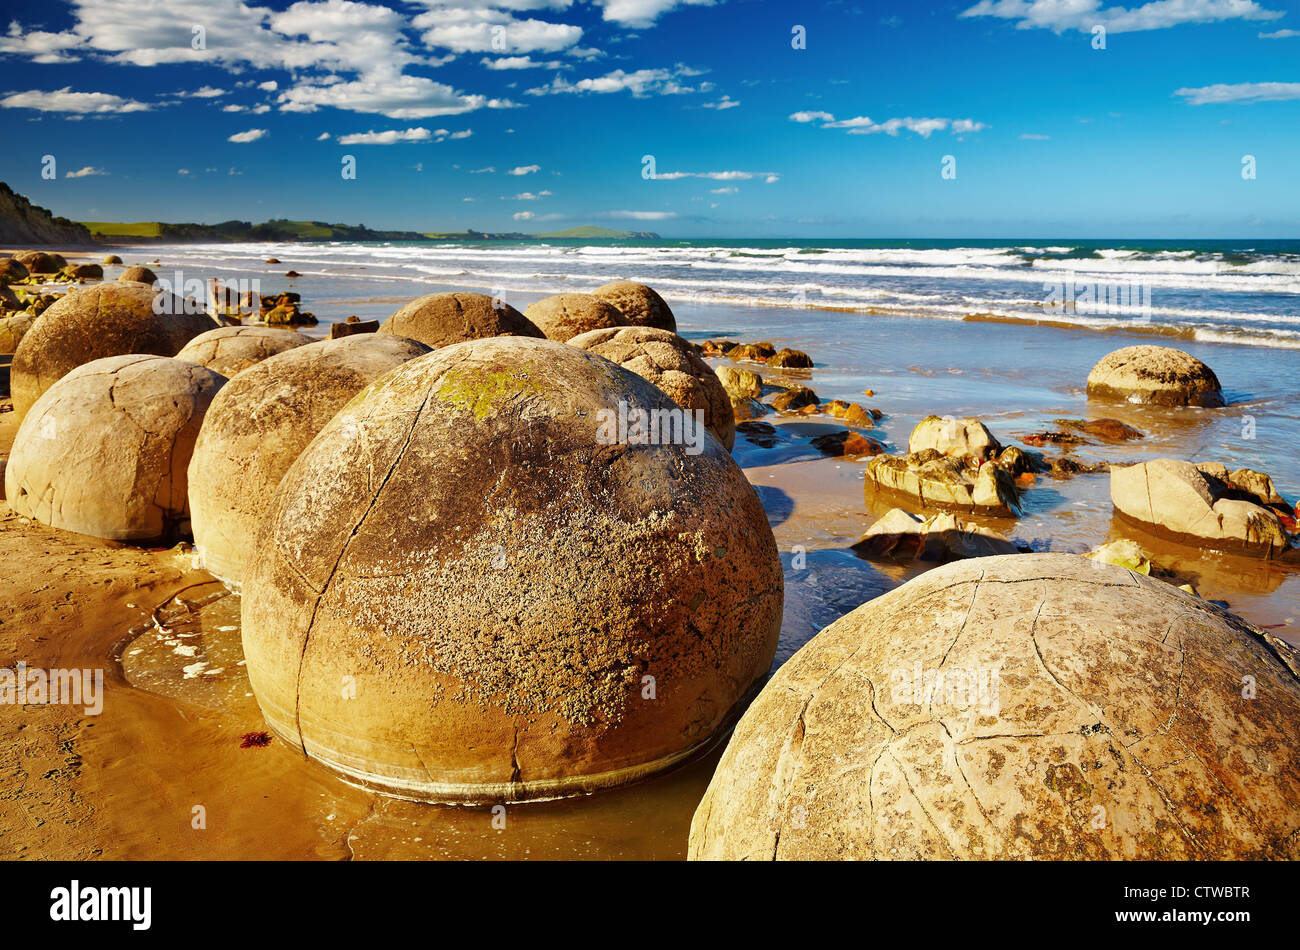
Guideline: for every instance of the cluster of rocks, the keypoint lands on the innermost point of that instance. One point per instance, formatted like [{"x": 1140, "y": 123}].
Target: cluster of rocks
[
  {"x": 1205, "y": 505},
  {"x": 437, "y": 518},
  {"x": 950, "y": 465},
  {"x": 284, "y": 309}
]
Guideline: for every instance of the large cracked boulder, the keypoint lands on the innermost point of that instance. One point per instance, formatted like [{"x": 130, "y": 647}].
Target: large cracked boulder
[
  {"x": 104, "y": 451},
  {"x": 564, "y": 316},
  {"x": 92, "y": 323},
  {"x": 260, "y": 423},
  {"x": 668, "y": 361},
  {"x": 230, "y": 350},
  {"x": 640, "y": 306},
  {"x": 463, "y": 591},
  {"x": 443, "y": 319},
  {"x": 1158, "y": 375},
  {"x": 1022, "y": 707},
  {"x": 1204, "y": 506}
]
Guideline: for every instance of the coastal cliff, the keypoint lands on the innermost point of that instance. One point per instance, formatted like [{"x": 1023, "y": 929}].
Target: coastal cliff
[{"x": 26, "y": 224}]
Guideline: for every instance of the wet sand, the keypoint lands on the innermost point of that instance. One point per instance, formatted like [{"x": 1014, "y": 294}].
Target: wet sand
[{"x": 126, "y": 783}]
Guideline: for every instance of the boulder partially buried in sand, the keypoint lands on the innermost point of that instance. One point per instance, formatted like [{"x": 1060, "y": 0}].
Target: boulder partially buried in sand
[
  {"x": 1158, "y": 375},
  {"x": 519, "y": 608},
  {"x": 260, "y": 423},
  {"x": 1205, "y": 506},
  {"x": 564, "y": 316},
  {"x": 901, "y": 535},
  {"x": 91, "y": 323},
  {"x": 443, "y": 319},
  {"x": 104, "y": 451},
  {"x": 640, "y": 305},
  {"x": 668, "y": 361},
  {"x": 139, "y": 275},
  {"x": 41, "y": 262},
  {"x": 230, "y": 350},
  {"x": 1028, "y": 707}
]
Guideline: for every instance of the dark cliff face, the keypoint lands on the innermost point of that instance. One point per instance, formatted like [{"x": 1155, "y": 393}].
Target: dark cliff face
[{"x": 25, "y": 224}]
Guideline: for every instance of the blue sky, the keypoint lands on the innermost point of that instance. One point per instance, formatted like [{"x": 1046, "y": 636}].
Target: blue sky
[{"x": 535, "y": 115}]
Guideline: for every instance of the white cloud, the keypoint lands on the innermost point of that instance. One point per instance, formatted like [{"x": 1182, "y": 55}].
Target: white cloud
[
  {"x": 529, "y": 196},
  {"x": 640, "y": 82},
  {"x": 84, "y": 172},
  {"x": 523, "y": 215},
  {"x": 464, "y": 30},
  {"x": 811, "y": 117},
  {"x": 252, "y": 135},
  {"x": 1279, "y": 35},
  {"x": 481, "y": 171},
  {"x": 391, "y": 137},
  {"x": 715, "y": 176},
  {"x": 771, "y": 179},
  {"x": 640, "y": 215},
  {"x": 182, "y": 171},
  {"x": 643, "y": 13},
  {"x": 74, "y": 103},
  {"x": 269, "y": 86},
  {"x": 1082, "y": 15},
  {"x": 863, "y": 125},
  {"x": 324, "y": 136},
  {"x": 397, "y": 97},
  {"x": 726, "y": 102},
  {"x": 203, "y": 92},
  {"x": 522, "y": 170},
  {"x": 1241, "y": 92},
  {"x": 724, "y": 191},
  {"x": 462, "y": 134},
  {"x": 522, "y": 62},
  {"x": 1034, "y": 137}
]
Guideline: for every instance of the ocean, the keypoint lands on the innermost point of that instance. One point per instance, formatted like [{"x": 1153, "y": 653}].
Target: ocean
[{"x": 1245, "y": 292}]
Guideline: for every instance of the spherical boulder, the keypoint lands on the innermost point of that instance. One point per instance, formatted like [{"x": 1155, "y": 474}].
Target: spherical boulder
[
  {"x": 139, "y": 274},
  {"x": 639, "y": 305},
  {"x": 669, "y": 362},
  {"x": 564, "y": 316},
  {"x": 90, "y": 323},
  {"x": 104, "y": 451},
  {"x": 467, "y": 589},
  {"x": 111, "y": 259},
  {"x": 86, "y": 271},
  {"x": 41, "y": 262},
  {"x": 1029, "y": 706},
  {"x": 443, "y": 319},
  {"x": 230, "y": 350},
  {"x": 12, "y": 329},
  {"x": 1158, "y": 375},
  {"x": 259, "y": 424},
  {"x": 12, "y": 270}
]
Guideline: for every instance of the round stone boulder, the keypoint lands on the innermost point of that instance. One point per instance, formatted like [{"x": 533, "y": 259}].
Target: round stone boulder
[
  {"x": 443, "y": 319},
  {"x": 91, "y": 323},
  {"x": 1158, "y": 375},
  {"x": 139, "y": 274},
  {"x": 12, "y": 329},
  {"x": 669, "y": 362},
  {"x": 104, "y": 451},
  {"x": 12, "y": 270},
  {"x": 259, "y": 424},
  {"x": 230, "y": 350},
  {"x": 111, "y": 259},
  {"x": 639, "y": 305},
  {"x": 564, "y": 316},
  {"x": 467, "y": 589},
  {"x": 86, "y": 271},
  {"x": 41, "y": 262},
  {"x": 1029, "y": 706}
]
